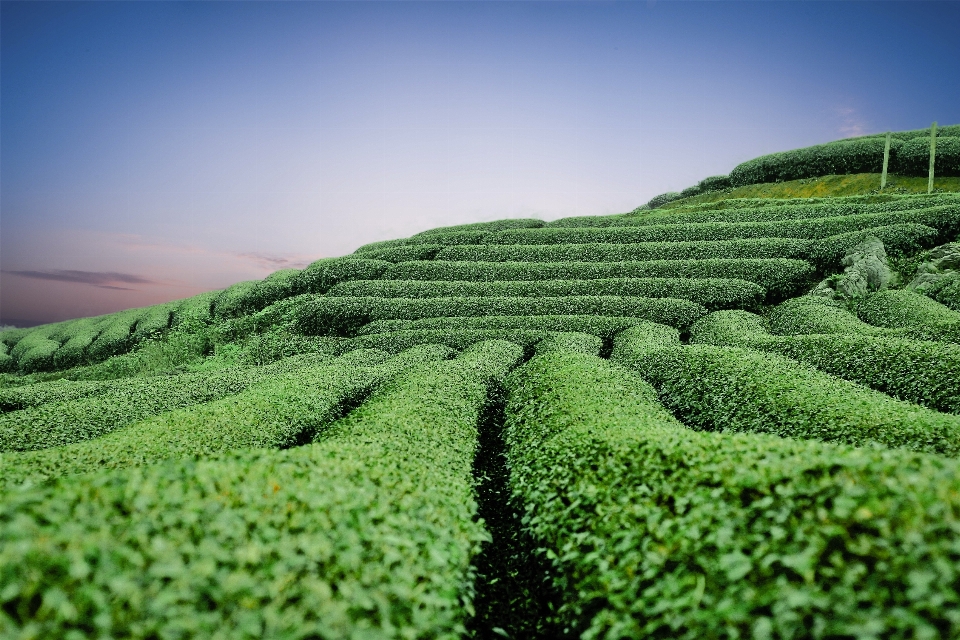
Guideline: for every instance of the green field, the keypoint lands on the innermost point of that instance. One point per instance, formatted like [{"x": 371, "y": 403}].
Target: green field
[{"x": 735, "y": 415}]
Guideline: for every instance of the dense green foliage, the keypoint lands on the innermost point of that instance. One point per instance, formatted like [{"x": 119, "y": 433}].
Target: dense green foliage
[
  {"x": 346, "y": 316},
  {"x": 730, "y": 389},
  {"x": 712, "y": 293},
  {"x": 926, "y": 373},
  {"x": 778, "y": 276},
  {"x": 367, "y": 533},
  {"x": 655, "y": 530},
  {"x": 908, "y": 156},
  {"x": 300, "y": 457},
  {"x": 604, "y": 327},
  {"x": 53, "y": 424},
  {"x": 640, "y": 251},
  {"x": 902, "y": 309},
  {"x": 279, "y": 412}
]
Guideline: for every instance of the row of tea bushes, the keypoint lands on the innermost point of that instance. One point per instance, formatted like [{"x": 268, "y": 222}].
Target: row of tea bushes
[
  {"x": 496, "y": 225},
  {"x": 861, "y": 155},
  {"x": 346, "y": 316},
  {"x": 279, "y": 412},
  {"x": 911, "y": 311},
  {"x": 126, "y": 401},
  {"x": 794, "y": 209},
  {"x": 655, "y": 530},
  {"x": 731, "y": 389},
  {"x": 898, "y": 239},
  {"x": 461, "y": 339},
  {"x": 925, "y": 373},
  {"x": 631, "y": 252},
  {"x": 712, "y": 293},
  {"x": 368, "y": 532},
  {"x": 779, "y": 276},
  {"x": 945, "y": 219},
  {"x": 813, "y": 314},
  {"x": 604, "y": 327}
]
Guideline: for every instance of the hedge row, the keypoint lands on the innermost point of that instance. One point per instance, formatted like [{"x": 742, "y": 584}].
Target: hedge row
[
  {"x": 946, "y": 219},
  {"x": 712, "y": 293},
  {"x": 346, "y": 316},
  {"x": 269, "y": 347},
  {"x": 863, "y": 155},
  {"x": 811, "y": 314},
  {"x": 654, "y": 530},
  {"x": 729, "y": 389},
  {"x": 496, "y": 225},
  {"x": 604, "y": 327},
  {"x": 367, "y": 533},
  {"x": 58, "y": 423},
  {"x": 897, "y": 239},
  {"x": 779, "y": 276},
  {"x": 116, "y": 336},
  {"x": 461, "y": 339},
  {"x": 32, "y": 395},
  {"x": 903, "y": 309},
  {"x": 279, "y": 412},
  {"x": 925, "y": 373},
  {"x": 791, "y": 210},
  {"x": 402, "y": 253},
  {"x": 946, "y": 291},
  {"x": 640, "y": 251},
  {"x": 442, "y": 238}
]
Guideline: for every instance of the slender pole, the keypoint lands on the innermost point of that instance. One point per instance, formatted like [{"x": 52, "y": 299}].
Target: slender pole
[
  {"x": 933, "y": 155},
  {"x": 886, "y": 161}
]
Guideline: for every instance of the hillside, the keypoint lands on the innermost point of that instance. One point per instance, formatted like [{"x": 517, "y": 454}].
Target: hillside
[{"x": 735, "y": 414}]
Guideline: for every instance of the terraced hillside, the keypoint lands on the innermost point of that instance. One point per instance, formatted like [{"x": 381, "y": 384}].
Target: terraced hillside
[{"x": 730, "y": 419}]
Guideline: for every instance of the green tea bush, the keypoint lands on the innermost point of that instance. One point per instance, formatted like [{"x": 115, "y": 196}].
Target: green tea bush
[
  {"x": 11, "y": 337},
  {"x": 457, "y": 339},
  {"x": 116, "y": 337},
  {"x": 402, "y": 253},
  {"x": 945, "y": 219},
  {"x": 7, "y": 363},
  {"x": 32, "y": 395},
  {"x": 35, "y": 352},
  {"x": 496, "y": 225},
  {"x": 155, "y": 320},
  {"x": 654, "y": 530},
  {"x": 794, "y": 210},
  {"x": 897, "y": 239},
  {"x": 345, "y": 316},
  {"x": 73, "y": 351},
  {"x": 863, "y": 155},
  {"x": 199, "y": 308},
  {"x": 319, "y": 276},
  {"x": 640, "y": 251},
  {"x": 913, "y": 158},
  {"x": 729, "y": 389},
  {"x": 369, "y": 532},
  {"x": 712, "y": 293},
  {"x": 604, "y": 327},
  {"x": 269, "y": 347},
  {"x": 275, "y": 317},
  {"x": 232, "y": 301},
  {"x": 277, "y": 286},
  {"x": 438, "y": 237},
  {"x": 570, "y": 342},
  {"x": 811, "y": 314},
  {"x": 58, "y": 423},
  {"x": 283, "y": 411},
  {"x": 780, "y": 277},
  {"x": 946, "y": 291},
  {"x": 902, "y": 309},
  {"x": 925, "y": 373}
]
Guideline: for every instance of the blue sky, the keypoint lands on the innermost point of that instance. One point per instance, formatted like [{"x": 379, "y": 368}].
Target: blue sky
[{"x": 150, "y": 151}]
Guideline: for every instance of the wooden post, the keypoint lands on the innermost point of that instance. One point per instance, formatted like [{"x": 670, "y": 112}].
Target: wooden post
[
  {"x": 933, "y": 155},
  {"x": 886, "y": 161}
]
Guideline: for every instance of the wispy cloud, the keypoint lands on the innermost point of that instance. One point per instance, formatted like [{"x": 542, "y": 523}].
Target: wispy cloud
[
  {"x": 100, "y": 279},
  {"x": 851, "y": 124},
  {"x": 275, "y": 262}
]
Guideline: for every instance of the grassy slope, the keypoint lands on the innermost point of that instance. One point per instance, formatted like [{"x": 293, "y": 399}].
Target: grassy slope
[{"x": 827, "y": 186}]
